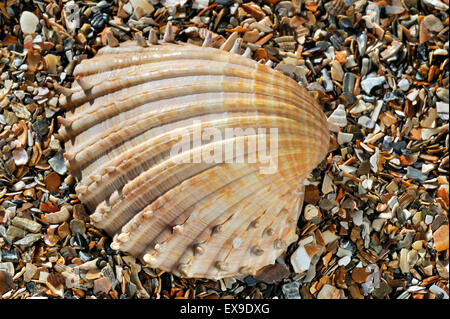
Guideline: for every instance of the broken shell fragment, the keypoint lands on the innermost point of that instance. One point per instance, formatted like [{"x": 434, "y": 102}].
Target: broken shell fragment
[
  {"x": 132, "y": 105},
  {"x": 335, "y": 7},
  {"x": 28, "y": 22}
]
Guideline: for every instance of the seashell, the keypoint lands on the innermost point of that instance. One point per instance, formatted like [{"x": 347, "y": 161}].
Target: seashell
[
  {"x": 335, "y": 7},
  {"x": 125, "y": 114}
]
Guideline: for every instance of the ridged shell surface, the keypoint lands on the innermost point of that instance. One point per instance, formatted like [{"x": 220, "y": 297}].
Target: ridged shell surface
[
  {"x": 128, "y": 110},
  {"x": 335, "y": 7}
]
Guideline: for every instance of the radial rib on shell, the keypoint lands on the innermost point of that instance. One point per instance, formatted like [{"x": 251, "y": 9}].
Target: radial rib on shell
[{"x": 127, "y": 111}]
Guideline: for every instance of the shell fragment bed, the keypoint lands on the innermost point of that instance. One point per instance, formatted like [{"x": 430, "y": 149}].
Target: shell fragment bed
[{"x": 125, "y": 113}]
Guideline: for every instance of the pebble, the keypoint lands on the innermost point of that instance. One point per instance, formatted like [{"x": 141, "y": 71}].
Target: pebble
[
  {"x": 130, "y": 289},
  {"x": 108, "y": 272},
  {"x": 366, "y": 122},
  {"x": 327, "y": 186},
  {"x": 57, "y": 163},
  {"x": 79, "y": 212},
  {"x": 28, "y": 240},
  {"x": 19, "y": 186},
  {"x": 344, "y": 261},
  {"x": 440, "y": 237},
  {"x": 11, "y": 255},
  {"x": 101, "y": 285},
  {"x": 365, "y": 66},
  {"x": 329, "y": 237},
  {"x": 57, "y": 217},
  {"x": 326, "y": 204},
  {"x": 250, "y": 281},
  {"x": 403, "y": 85},
  {"x": 351, "y": 63},
  {"x": 99, "y": 19},
  {"x": 342, "y": 252},
  {"x": 413, "y": 256},
  {"x": 85, "y": 256},
  {"x": 382, "y": 290},
  {"x": 361, "y": 39},
  {"x": 251, "y": 36},
  {"x": 442, "y": 93},
  {"x": 363, "y": 169},
  {"x": 30, "y": 271},
  {"x": 311, "y": 212},
  {"x": 357, "y": 217},
  {"x": 438, "y": 221},
  {"x": 20, "y": 157},
  {"x": 404, "y": 265},
  {"x": 432, "y": 23},
  {"x": 52, "y": 181},
  {"x": 343, "y": 138},
  {"x": 291, "y": 290},
  {"x": 63, "y": 230},
  {"x": 374, "y": 161},
  {"x": 7, "y": 267},
  {"x": 417, "y": 245},
  {"x": 355, "y": 292},
  {"x": 40, "y": 126},
  {"x": 442, "y": 107},
  {"x": 387, "y": 143},
  {"x": 391, "y": 50},
  {"x": 28, "y": 22},
  {"x": 144, "y": 5},
  {"x": 80, "y": 240},
  {"x": 439, "y": 292},
  {"x": 6, "y": 282},
  {"x": 412, "y": 95},
  {"x": 415, "y": 174},
  {"x": 14, "y": 232},
  {"x": 417, "y": 218},
  {"x": 77, "y": 226},
  {"x": 90, "y": 265},
  {"x": 300, "y": 260},
  {"x": 337, "y": 73},
  {"x": 272, "y": 273},
  {"x": 51, "y": 238},
  {"x": 427, "y": 168},
  {"x": 225, "y": 3},
  {"x": 330, "y": 292},
  {"x": 349, "y": 97},
  {"x": 27, "y": 224},
  {"x": 349, "y": 82},
  {"x": 361, "y": 107},
  {"x": 428, "y": 219},
  {"x": 312, "y": 194},
  {"x": 392, "y": 187},
  {"x": 359, "y": 275},
  {"x": 428, "y": 133},
  {"x": 327, "y": 81},
  {"x": 339, "y": 116},
  {"x": 369, "y": 83}
]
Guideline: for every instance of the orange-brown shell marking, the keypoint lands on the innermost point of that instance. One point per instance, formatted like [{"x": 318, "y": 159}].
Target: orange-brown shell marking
[{"x": 208, "y": 220}]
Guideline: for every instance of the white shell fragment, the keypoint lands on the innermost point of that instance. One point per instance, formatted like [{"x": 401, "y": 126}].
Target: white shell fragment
[
  {"x": 339, "y": 116},
  {"x": 28, "y": 22},
  {"x": 300, "y": 260},
  {"x": 132, "y": 105},
  {"x": 20, "y": 157}
]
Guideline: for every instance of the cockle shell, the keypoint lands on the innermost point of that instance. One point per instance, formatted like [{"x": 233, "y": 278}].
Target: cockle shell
[{"x": 208, "y": 220}]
